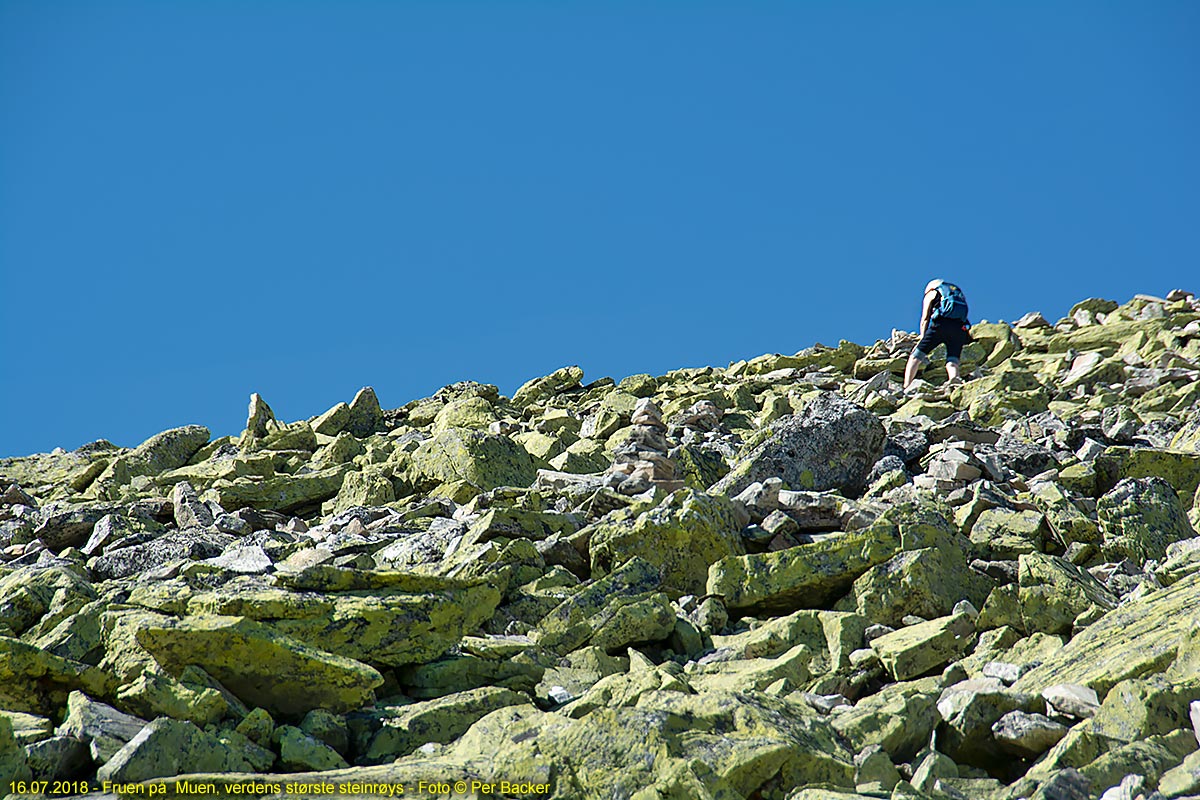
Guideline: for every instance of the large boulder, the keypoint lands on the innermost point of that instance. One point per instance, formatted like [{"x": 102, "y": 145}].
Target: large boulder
[
  {"x": 105, "y": 729},
  {"x": 541, "y": 389},
  {"x": 622, "y": 608},
  {"x": 168, "y": 747},
  {"x": 193, "y": 543},
  {"x": 1054, "y": 593},
  {"x": 485, "y": 461},
  {"x": 1140, "y": 518},
  {"x": 283, "y": 493},
  {"x": 926, "y": 582},
  {"x": 364, "y": 414},
  {"x": 917, "y": 649},
  {"x": 70, "y": 526},
  {"x": 167, "y": 450},
  {"x": 806, "y": 576},
  {"x": 969, "y": 710},
  {"x": 1180, "y": 469},
  {"x": 262, "y": 667},
  {"x": 46, "y": 596},
  {"x": 682, "y": 537},
  {"x": 900, "y": 718},
  {"x": 830, "y": 444},
  {"x": 1138, "y": 637},
  {"x": 36, "y": 682},
  {"x": 440, "y": 721}
]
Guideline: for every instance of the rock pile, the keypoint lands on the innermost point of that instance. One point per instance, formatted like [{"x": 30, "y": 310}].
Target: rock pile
[{"x": 785, "y": 579}]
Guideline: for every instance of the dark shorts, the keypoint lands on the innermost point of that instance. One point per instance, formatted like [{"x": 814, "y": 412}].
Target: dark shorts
[{"x": 950, "y": 332}]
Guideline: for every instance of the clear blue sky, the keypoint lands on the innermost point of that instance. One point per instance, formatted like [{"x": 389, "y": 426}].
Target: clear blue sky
[{"x": 200, "y": 200}]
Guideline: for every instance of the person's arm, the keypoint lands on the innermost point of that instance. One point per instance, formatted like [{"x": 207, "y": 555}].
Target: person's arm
[{"x": 927, "y": 308}]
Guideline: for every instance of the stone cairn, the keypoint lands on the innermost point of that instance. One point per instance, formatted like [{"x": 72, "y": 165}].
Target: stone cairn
[{"x": 642, "y": 460}]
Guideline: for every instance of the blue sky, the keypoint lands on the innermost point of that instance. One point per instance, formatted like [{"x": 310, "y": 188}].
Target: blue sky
[{"x": 200, "y": 200}]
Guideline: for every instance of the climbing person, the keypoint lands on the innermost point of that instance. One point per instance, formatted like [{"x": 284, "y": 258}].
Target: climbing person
[{"x": 943, "y": 321}]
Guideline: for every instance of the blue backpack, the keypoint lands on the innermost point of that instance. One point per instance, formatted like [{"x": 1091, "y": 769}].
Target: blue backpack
[{"x": 953, "y": 304}]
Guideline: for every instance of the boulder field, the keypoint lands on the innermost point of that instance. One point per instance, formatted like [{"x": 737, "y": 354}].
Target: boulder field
[{"x": 786, "y": 579}]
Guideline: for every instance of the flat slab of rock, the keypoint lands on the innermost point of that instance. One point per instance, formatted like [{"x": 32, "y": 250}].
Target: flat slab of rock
[
  {"x": 262, "y": 667},
  {"x": 1136, "y": 638},
  {"x": 805, "y": 576},
  {"x": 917, "y": 649},
  {"x": 1067, "y": 698}
]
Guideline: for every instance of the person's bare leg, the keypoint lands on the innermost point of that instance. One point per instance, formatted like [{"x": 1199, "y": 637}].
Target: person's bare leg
[
  {"x": 910, "y": 371},
  {"x": 952, "y": 370}
]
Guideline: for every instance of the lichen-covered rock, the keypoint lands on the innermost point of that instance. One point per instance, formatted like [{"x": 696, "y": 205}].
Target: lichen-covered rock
[
  {"x": 622, "y": 608},
  {"x": 830, "y": 444},
  {"x": 283, "y": 493},
  {"x": 41, "y": 598},
  {"x": 439, "y": 721},
  {"x": 418, "y": 552},
  {"x": 482, "y": 460},
  {"x": 299, "y": 752},
  {"x": 582, "y": 457},
  {"x": 365, "y": 488},
  {"x": 1140, "y": 518},
  {"x": 193, "y": 544},
  {"x": 1138, "y": 637},
  {"x": 539, "y": 390},
  {"x": 969, "y": 710},
  {"x": 70, "y": 527},
  {"x": 1027, "y": 735},
  {"x": 393, "y": 629},
  {"x": 1004, "y": 533},
  {"x": 1054, "y": 593},
  {"x": 1148, "y": 758},
  {"x": 13, "y": 763},
  {"x": 168, "y": 747},
  {"x": 262, "y": 667},
  {"x": 917, "y": 649},
  {"x": 1180, "y": 469},
  {"x": 364, "y": 414},
  {"x": 900, "y": 718},
  {"x": 682, "y": 537},
  {"x": 467, "y": 412},
  {"x": 927, "y": 583},
  {"x": 36, "y": 682},
  {"x": 166, "y": 450},
  {"x": 804, "y": 576},
  {"x": 829, "y": 636},
  {"x": 104, "y": 729}
]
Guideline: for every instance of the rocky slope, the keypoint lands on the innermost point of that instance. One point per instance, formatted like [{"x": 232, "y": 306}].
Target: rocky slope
[{"x": 781, "y": 579}]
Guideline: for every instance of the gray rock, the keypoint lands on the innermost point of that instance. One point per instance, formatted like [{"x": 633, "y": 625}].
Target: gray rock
[
  {"x": 167, "y": 450},
  {"x": 194, "y": 543},
  {"x": 1067, "y": 784},
  {"x": 364, "y": 415},
  {"x": 57, "y": 758},
  {"x": 1027, "y": 735},
  {"x": 104, "y": 729},
  {"x": 166, "y": 748},
  {"x": 1004, "y": 672},
  {"x": 831, "y": 444},
  {"x": 70, "y": 527},
  {"x": 299, "y": 752},
  {"x": 1072, "y": 699},
  {"x": 243, "y": 560},
  {"x": 1140, "y": 518},
  {"x": 969, "y": 710},
  {"x": 1130, "y": 788},
  {"x": 189, "y": 511}
]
